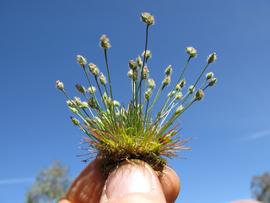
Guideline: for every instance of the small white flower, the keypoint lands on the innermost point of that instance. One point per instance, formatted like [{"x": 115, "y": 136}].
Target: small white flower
[
  {"x": 151, "y": 83},
  {"x": 179, "y": 109},
  {"x": 209, "y": 75},
  {"x": 147, "y": 54},
  {"x": 147, "y": 18},
  {"x": 59, "y": 85},
  {"x": 192, "y": 52},
  {"x": 212, "y": 58},
  {"x": 92, "y": 89},
  {"x": 81, "y": 60},
  {"x": 191, "y": 89}
]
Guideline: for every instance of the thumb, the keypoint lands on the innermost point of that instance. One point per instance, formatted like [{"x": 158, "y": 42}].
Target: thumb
[{"x": 132, "y": 182}]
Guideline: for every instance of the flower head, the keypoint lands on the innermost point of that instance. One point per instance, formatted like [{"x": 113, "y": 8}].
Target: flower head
[
  {"x": 213, "y": 81},
  {"x": 116, "y": 103},
  {"x": 139, "y": 61},
  {"x": 59, "y": 85},
  {"x": 132, "y": 64},
  {"x": 148, "y": 93},
  {"x": 91, "y": 90},
  {"x": 93, "y": 69},
  {"x": 191, "y": 89},
  {"x": 209, "y": 75},
  {"x": 166, "y": 80},
  {"x": 75, "y": 121},
  {"x": 105, "y": 42},
  {"x": 81, "y": 60},
  {"x": 151, "y": 83},
  {"x": 192, "y": 52},
  {"x": 179, "y": 109},
  {"x": 80, "y": 88},
  {"x": 102, "y": 79},
  {"x": 178, "y": 95},
  {"x": 145, "y": 72},
  {"x": 168, "y": 70},
  {"x": 147, "y": 18},
  {"x": 171, "y": 93},
  {"x": 147, "y": 54},
  {"x": 199, "y": 94},
  {"x": 212, "y": 58}
]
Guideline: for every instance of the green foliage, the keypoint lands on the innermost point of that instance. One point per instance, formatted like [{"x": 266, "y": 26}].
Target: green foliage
[
  {"x": 260, "y": 186},
  {"x": 118, "y": 133},
  {"x": 50, "y": 185}
]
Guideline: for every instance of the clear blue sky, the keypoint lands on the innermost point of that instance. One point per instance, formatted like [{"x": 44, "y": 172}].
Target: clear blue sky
[{"x": 230, "y": 127}]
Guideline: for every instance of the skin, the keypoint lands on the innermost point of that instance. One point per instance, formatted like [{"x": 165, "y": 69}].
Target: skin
[
  {"x": 129, "y": 183},
  {"x": 132, "y": 181}
]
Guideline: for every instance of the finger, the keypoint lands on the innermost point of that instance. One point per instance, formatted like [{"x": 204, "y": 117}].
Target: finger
[
  {"x": 170, "y": 183},
  {"x": 132, "y": 182},
  {"x": 88, "y": 186}
]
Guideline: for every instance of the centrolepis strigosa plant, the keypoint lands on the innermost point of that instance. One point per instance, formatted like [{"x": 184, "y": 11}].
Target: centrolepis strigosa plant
[{"x": 116, "y": 133}]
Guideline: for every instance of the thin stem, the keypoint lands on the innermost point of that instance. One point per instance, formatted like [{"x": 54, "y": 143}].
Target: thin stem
[
  {"x": 89, "y": 82},
  {"x": 201, "y": 75},
  {"x": 100, "y": 92},
  {"x": 144, "y": 60},
  {"x": 156, "y": 97},
  {"x": 108, "y": 72},
  {"x": 183, "y": 71},
  {"x": 145, "y": 114}
]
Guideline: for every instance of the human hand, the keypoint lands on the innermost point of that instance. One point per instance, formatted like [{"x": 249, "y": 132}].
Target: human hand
[{"x": 131, "y": 182}]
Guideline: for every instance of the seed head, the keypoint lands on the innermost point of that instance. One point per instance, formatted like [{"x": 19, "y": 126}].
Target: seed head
[
  {"x": 145, "y": 72},
  {"x": 178, "y": 87},
  {"x": 70, "y": 103},
  {"x": 91, "y": 90},
  {"x": 132, "y": 64},
  {"x": 78, "y": 101},
  {"x": 192, "y": 52},
  {"x": 105, "y": 42},
  {"x": 209, "y": 75},
  {"x": 93, "y": 69},
  {"x": 147, "y": 54},
  {"x": 147, "y": 18},
  {"x": 191, "y": 89},
  {"x": 178, "y": 95},
  {"x": 179, "y": 109},
  {"x": 148, "y": 94},
  {"x": 75, "y": 121},
  {"x": 130, "y": 74},
  {"x": 102, "y": 79},
  {"x": 168, "y": 70},
  {"x": 151, "y": 83},
  {"x": 59, "y": 85},
  {"x": 166, "y": 80},
  {"x": 182, "y": 83},
  {"x": 199, "y": 94},
  {"x": 80, "y": 88},
  {"x": 213, "y": 81},
  {"x": 171, "y": 93},
  {"x": 116, "y": 103},
  {"x": 73, "y": 110},
  {"x": 211, "y": 58},
  {"x": 139, "y": 61},
  {"x": 81, "y": 60},
  {"x": 92, "y": 103}
]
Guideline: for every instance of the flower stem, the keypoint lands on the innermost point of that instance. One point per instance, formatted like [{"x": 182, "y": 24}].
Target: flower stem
[
  {"x": 108, "y": 72},
  {"x": 89, "y": 82},
  {"x": 144, "y": 60}
]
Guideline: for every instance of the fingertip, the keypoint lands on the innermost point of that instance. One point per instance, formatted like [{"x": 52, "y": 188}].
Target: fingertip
[
  {"x": 132, "y": 180},
  {"x": 170, "y": 183}
]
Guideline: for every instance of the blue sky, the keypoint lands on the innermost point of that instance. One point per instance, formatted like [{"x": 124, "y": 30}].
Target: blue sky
[{"x": 230, "y": 128}]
